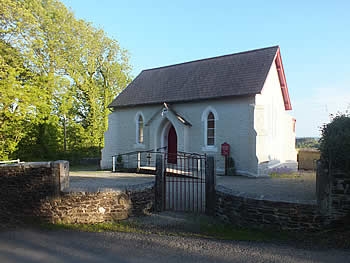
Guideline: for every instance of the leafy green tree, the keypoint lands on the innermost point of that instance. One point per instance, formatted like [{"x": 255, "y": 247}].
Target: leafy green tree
[
  {"x": 335, "y": 143},
  {"x": 307, "y": 142},
  {"x": 73, "y": 70},
  {"x": 19, "y": 105}
]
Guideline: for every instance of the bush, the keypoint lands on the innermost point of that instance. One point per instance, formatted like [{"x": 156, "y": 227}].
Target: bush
[
  {"x": 231, "y": 167},
  {"x": 335, "y": 143},
  {"x": 120, "y": 163}
]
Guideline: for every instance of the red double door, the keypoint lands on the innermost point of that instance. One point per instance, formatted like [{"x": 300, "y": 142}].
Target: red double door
[{"x": 172, "y": 145}]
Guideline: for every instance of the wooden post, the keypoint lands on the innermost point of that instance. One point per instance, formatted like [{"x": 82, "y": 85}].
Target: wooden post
[
  {"x": 210, "y": 194},
  {"x": 159, "y": 185}
]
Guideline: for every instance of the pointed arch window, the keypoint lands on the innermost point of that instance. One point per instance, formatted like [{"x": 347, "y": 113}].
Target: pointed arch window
[
  {"x": 140, "y": 130},
  {"x": 211, "y": 129},
  {"x": 210, "y": 120}
]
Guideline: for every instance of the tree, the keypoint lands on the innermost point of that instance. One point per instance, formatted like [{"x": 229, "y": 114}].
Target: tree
[
  {"x": 335, "y": 143},
  {"x": 73, "y": 72},
  {"x": 19, "y": 101}
]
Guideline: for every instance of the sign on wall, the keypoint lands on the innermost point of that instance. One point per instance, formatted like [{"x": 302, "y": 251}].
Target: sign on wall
[{"x": 225, "y": 149}]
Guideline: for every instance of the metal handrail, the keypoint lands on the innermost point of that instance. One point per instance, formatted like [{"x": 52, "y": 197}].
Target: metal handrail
[
  {"x": 10, "y": 161},
  {"x": 143, "y": 151},
  {"x": 137, "y": 162}
]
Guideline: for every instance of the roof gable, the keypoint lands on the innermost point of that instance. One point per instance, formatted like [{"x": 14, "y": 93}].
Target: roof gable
[{"x": 239, "y": 74}]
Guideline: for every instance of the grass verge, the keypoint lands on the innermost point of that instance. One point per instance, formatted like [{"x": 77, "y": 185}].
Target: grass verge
[
  {"x": 194, "y": 227},
  {"x": 100, "y": 227},
  {"x": 228, "y": 232},
  {"x": 205, "y": 227}
]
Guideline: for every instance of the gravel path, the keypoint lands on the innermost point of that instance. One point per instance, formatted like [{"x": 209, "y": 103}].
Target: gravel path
[
  {"x": 94, "y": 181},
  {"x": 299, "y": 188},
  {"x": 32, "y": 245}
]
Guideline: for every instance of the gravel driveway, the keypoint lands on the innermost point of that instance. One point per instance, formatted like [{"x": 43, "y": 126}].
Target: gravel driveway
[
  {"x": 299, "y": 188},
  {"x": 94, "y": 181},
  {"x": 33, "y": 245}
]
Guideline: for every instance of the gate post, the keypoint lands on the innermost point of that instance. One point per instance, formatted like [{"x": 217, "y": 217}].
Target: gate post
[
  {"x": 159, "y": 185},
  {"x": 210, "y": 186}
]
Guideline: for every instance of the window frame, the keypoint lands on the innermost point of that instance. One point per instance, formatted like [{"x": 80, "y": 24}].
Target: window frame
[
  {"x": 209, "y": 147},
  {"x": 140, "y": 130},
  {"x": 210, "y": 122},
  {"x": 138, "y": 142}
]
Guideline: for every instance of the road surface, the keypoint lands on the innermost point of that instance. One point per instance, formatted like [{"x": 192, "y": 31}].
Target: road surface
[{"x": 34, "y": 245}]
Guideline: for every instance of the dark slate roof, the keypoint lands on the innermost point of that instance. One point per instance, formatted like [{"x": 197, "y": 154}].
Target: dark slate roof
[{"x": 237, "y": 74}]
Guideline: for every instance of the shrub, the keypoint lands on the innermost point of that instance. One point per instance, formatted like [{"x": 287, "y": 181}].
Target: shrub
[
  {"x": 119, "y": 158},
  {"x": 231, "y": 167},
  {"x": 335, "y": 143},
  {"x": 120, "y": 163}
]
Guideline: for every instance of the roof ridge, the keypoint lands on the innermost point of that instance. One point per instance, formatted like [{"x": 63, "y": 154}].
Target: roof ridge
[{"x": 210, "y": 58}]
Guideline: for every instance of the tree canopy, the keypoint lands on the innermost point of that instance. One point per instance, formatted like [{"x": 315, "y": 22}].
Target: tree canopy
[
  {"x": 58, "y": 74},
  {"x": 335, "y": 143}
]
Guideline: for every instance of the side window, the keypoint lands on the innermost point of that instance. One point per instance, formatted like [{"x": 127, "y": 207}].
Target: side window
[
  {"x": 210, "y": 129},
  {"x": 140, "y": 130}
]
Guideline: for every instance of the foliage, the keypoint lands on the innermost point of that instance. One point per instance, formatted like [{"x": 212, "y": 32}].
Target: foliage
[
  {"x": 58, "y": 74},
  {"x": 19, "y": 105},
  {"x": 119, "y": 158},
  {"x": 231, "y": 167},
  {"x": 307, "y": 142},
  {"x": 120, "y": 164},
  {"x": 335, "y": 142}
]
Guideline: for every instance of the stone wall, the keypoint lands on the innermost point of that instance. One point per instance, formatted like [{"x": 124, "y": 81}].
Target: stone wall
[
  {"x": 98, "y": 207},
  {"x": 333, "y": 206},
  {"x": 333, "y": 193},
  {"x": 243, "y": 211},
  {"x": 35, "y": 191},
  {"x": 340, "y": 196},
  {"x": 24, "y": 185}
]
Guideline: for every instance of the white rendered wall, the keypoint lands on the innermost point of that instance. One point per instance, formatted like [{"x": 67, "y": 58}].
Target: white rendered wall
[
  {"x": 234, "y": 125},
  {"x": 273, "y": 124}
]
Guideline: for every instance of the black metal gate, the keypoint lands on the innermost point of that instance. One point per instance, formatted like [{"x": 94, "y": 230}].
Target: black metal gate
[{"x": 184, "y": 182}]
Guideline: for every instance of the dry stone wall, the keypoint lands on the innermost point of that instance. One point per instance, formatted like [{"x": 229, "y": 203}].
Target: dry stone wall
[
  {"x": 332, "y": 208},
  {"x": 23, "y": 186},
  {"x": 32, "y": 191},
  {"x": 333, "y": 193},
  {"x": 98, "y": 207},
  {"x": 340, "y": 196},
  {"x": 244, "y": 211}
]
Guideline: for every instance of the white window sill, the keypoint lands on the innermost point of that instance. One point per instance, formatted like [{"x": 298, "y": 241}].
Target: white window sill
[{"x": 209, "y": 148}]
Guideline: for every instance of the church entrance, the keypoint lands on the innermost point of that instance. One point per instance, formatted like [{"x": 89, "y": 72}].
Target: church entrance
[{"x": 172, "y": 145}]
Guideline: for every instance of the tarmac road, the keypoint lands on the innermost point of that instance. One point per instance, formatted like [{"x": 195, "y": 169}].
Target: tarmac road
[{"x": 35, "y": 245}]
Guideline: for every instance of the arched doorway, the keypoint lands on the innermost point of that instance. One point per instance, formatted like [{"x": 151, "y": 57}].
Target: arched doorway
[{"x": 172, "y": 145}]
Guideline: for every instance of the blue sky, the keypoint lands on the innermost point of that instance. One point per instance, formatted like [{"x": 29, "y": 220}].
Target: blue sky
[{"x": 314, "y": 37}]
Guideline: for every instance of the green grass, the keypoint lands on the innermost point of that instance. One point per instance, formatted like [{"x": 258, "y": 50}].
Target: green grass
[
  {"x": 196, "y": 226},
  {"x": 205, "y": 227},
  {"x": 228, "y": 232},
  {"x": 100, "y": 227}
]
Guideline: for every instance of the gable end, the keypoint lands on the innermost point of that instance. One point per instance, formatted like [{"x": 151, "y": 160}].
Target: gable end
[{"x": 283, "y": 82}]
